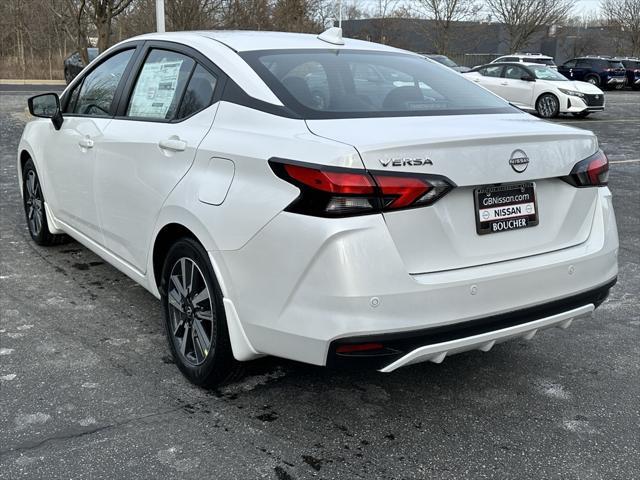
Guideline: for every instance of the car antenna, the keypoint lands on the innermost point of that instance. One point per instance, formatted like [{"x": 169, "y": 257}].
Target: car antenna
[{"x": 333, "y": 35}]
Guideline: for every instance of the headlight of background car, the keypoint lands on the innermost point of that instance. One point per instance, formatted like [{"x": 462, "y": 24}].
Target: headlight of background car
[{"x": 573, "y": 93}]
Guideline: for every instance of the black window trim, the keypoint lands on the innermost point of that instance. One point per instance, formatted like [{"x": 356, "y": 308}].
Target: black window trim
[
  {"x": 79, "y": 80},
  {"x": 132, "y": 78}
]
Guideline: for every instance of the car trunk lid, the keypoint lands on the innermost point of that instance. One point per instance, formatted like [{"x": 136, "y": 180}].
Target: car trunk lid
[{"x": 474, "y": 151}]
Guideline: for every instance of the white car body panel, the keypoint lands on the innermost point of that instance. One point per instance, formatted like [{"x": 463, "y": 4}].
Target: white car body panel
[
  {"x": 293, "y": 283},
  {"x": 136, "y": 174}
]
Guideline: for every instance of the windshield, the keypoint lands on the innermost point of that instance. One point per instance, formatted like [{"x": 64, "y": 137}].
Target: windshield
[
  {"x": 443, "y": 60},
  {"x": 354, "y": 83},
  {"x": 546, "y": 73}
]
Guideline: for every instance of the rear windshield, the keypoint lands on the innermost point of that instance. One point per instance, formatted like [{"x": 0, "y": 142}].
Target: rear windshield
[
  {"x": 443, "y": 60},
  {"x": 615, "y": 64},
  {"x": 543, "y": 61},
  {"x": 352, "y": 83}
]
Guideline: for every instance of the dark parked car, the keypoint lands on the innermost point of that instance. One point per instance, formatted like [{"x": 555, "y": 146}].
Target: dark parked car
[
  {"x": 444, "y": 60},
  {"x": 603, "y": 72},
  {"x": 633, "y": 71},
  {"x": 73, "y": 64}
]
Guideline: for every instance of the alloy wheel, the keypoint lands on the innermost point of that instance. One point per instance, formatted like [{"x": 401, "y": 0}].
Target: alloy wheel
[
  {"x": 191, "y": 313},
  {"x": 547, "y": 106},
  {"x": 34, "y": 203},
  {"x": 593, "y": 81}
]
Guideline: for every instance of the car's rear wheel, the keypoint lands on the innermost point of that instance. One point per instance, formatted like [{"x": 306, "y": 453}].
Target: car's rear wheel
[
  {"x": 33, "y": 201},
  {"x": 195, "y": 321},
  {"x": 581, "y": 114},
  {"x": 593, "y": 80},
  {"x": 548, "y": 106}
]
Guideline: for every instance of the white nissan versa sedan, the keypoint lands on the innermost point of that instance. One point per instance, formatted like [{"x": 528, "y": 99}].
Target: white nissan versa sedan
[{"x": 384, "y": 222}]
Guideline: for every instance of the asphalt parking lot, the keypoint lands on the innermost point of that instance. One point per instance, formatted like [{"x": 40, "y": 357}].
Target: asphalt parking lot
[{"x": 88, "y": 388}]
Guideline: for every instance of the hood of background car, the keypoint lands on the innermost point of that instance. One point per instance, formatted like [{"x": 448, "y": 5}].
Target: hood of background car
[{"x": 583, "y": 87}]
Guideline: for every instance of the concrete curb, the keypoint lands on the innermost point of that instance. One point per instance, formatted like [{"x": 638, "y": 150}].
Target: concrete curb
[{"x": 16, "y": 81}]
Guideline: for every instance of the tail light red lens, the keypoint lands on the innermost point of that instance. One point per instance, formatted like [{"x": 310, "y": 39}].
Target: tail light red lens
[
  {"x": 590, "y": 172},
  {"x": 332, "y": 181},
  {"x": 338, "y": 192}
]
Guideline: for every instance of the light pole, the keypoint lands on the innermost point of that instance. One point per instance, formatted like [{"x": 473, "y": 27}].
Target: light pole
[{"x": 160, "y": 15}]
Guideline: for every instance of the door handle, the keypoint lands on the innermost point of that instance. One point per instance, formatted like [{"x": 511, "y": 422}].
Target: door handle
[
  {"x": 86, "y": 142},
  {"x": 504, "y": 83},
  {"x": 173, "y": 144}
]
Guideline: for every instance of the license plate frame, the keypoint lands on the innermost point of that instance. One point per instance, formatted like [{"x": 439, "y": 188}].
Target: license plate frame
[{"x": 496, "y": 212}]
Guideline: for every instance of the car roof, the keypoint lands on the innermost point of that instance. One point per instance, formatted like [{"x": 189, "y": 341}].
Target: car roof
[
  {"x": 219, "y": 45},
  {"x": 247, "y": 40},
  {"x": 527, "y": 55}
]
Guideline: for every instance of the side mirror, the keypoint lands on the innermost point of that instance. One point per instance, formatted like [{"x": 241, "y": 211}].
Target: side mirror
[
  {"x": 527, "y": 78},
  {"x": 46, "y": 105}
]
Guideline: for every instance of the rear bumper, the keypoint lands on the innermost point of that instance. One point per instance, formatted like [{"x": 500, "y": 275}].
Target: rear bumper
[
  {"x": 299, "y": 297},
  {"x": 616, "y": 80},
  {"x": 435, "y": 344}
]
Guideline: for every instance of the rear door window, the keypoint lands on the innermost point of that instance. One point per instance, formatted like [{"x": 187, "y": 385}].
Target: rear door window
[
  {"x": 160, "y": 84},
  {"x": 199, "y": 93},
  {"x": 514, "y": 72},
  {"x": 491, "y": 71}
]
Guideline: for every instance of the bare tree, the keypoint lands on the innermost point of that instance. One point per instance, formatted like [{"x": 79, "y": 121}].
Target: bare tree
[
  {"x": 247, "y": 14},
  {"x": 523, "y": 18},
  {"x": 444, "y": 13},
  {"x": 73, "y": 20},
  {"x": 382, "y": 11},
  {"x": 192, "y": 14},
  {"x": 625, "y": 14},
  {"x": 295, "y": 16},
  {"x": 103, "y": 12}
]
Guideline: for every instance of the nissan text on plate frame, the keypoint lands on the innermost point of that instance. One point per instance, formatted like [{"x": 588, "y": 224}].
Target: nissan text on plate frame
[{"x": 330, "y": 201}]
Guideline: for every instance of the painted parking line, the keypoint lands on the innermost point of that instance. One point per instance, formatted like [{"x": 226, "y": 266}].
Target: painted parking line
[
  {"x": 632, "y": 160},
  {"x": 589, "y": 122}
]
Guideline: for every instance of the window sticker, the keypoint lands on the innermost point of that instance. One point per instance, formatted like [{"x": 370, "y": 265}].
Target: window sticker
[{"x": 155, "y": 89}]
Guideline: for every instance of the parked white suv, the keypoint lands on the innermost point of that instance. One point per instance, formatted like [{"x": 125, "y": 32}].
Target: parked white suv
[
  {"x": 383, "y": 223},
  {"x": 528, "y": 58}
]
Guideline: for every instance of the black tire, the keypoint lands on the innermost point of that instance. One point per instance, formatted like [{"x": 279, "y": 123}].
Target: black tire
[
  {"x": 581, "y": 114},
  {"x": 33, "y": 202},
  {"x": 619, "y": 86},
  {"x": 193, "y": 312},
  {"x": 593, "y": 80},
  {"x": 548, "y": 105}
]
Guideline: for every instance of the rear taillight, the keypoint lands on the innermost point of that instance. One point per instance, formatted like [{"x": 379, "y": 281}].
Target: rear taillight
[
  {"x": 340, "y": 192},
  {"x": 590, "y": 172}
]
